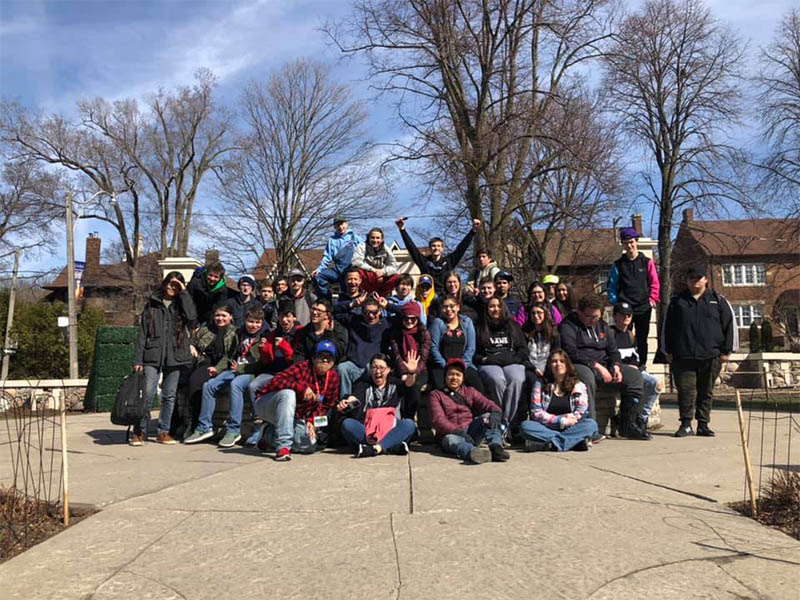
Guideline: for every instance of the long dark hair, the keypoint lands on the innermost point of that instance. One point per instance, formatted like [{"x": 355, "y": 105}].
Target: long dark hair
[
  {"x": 179, "y": 320},
  {"x": 570, "y": 379},
  {"x": 534, "y": 284},
  {"x": 548, "y": 327},
  {"x": 483, "y": 332},
  {"x": 460, "y": 294},
  {"x": 454, "y": 299}
]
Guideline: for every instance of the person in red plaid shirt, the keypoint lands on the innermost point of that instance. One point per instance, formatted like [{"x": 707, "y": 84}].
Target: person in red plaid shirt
[{"x": 296, "y": 403}]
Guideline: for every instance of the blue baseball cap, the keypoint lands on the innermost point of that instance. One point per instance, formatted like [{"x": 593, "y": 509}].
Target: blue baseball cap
[{"x": 325, "y": 346}]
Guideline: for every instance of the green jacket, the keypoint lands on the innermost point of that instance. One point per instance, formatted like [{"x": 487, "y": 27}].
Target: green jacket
[{"x": 203, "y": 340}]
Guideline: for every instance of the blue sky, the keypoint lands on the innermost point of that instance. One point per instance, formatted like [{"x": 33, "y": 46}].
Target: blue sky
[{"x": 53, "y": 53}]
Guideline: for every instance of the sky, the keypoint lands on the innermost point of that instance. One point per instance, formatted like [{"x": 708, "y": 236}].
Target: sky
[{"x": 53, "y": 53}]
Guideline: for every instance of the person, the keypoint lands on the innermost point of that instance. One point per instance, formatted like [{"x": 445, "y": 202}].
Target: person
[
  {"x": 452, "y": 286},
  {"x": 501, "y": 353},
  {"x": 321, "y": 327},
  {"x": 426, "y": 295},
  {"x": 237, "y": 379},
  {"x": 353, "y": 296},
  {"x": 303, "y": 298},
  {"x": 542, "y": 337},
  {"x": 162, "y": 348},
  {"x": 502, "y": 284},
  {"x": 587, "y": 338},
  {"x": 403, "y": 294},
  {"x": 376, "y": 264},
  {"x": 269, "y": 302},
  {"x": 633, "y": 279},
  {"x": 336, "y": 258},
  {"x": 565, "y": 299},
  {"x": 378, "y": 391},
  {"x": 463, "y": 418},
  {"x": 296, "y": 402},
  {"x": 452, "y": 336},
  {"x": 550, "y": 282},
  {"x": 244, "y": 300},
  {"x": 281, "y": 286},
  {"x": 487, "y": 267},
  {"x": 214, "y": 348},
  {"x": 558, "y": 410},
  {"x": 537, "y": 293},
  {"x": 208, "y": 288},
  {"x": 437, "y": 263},
  {"x": 408, "y": 336},
  {"x": 698, "y": 338},
  {"x": 652, "y": 386},
  {"x": 486, "y": 291},
  {"x": 366, "y": 337}
]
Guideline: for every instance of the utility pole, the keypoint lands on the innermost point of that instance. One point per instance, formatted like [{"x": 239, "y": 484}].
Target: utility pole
[
  {"x": 10, "y": 320},
  {"x": 73, "y": 320}
]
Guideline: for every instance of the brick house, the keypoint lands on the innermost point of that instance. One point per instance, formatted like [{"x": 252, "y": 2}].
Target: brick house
[
  {"x": 754, "y": 263},
  {"x": 266, "y": 267}
]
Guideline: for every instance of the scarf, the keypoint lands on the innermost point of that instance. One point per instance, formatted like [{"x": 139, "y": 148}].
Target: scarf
[
  {"x": 426, "y": 302},
  {"x": 219, "y": 285},
  {"x": 409, "y": 342}
]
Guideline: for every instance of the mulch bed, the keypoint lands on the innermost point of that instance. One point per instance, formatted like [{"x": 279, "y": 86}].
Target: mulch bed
[
  {"x": 25, "y": 522},
  {"x": 780, "y": 505}
]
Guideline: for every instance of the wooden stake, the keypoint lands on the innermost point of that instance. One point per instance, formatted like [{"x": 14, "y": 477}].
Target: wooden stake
[
  {"x": 747, "y": 467},
  {"x": 64, "y": 464}
]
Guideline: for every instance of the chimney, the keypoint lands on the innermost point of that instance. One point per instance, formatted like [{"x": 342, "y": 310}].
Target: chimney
[
  {"x": 212, "y": 255},
  {"x": 93, "y": 249},
  {"x": 636, "y": 222},
  {"x": 688, "y": 215}
]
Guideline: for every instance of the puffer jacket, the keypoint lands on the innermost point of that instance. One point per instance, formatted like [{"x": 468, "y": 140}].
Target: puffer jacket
[{"x": 157, "y": 344}]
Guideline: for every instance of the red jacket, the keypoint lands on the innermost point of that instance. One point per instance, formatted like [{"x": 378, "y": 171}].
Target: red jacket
[
  {"x": 300, "y": 377},
  {"x": 449, "y": 415}
]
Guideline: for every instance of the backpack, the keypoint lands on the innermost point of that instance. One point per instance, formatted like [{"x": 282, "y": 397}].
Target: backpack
[{"x": 130, "y": 404}]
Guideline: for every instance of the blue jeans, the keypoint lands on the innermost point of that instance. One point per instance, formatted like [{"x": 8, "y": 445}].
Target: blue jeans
[
  {"x": 355, "y": 434},
  {"x": 169, "y": 388},
  {"x": 330, "y": 275},
  {"x": 258, "y": 382},
  {"x": 211, "y": 388},
  {"x": 504, "y": 384},
  {"x": 650, "y": 395},
  {"x": 562, "y": 439},
  {"x": 281, "y": 429},
  {"x": 348, "y": 373},
  {"x": 458, "y": 445}
]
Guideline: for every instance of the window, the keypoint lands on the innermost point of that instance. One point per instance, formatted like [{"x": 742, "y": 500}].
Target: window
[
  {"x": 602, "y": 281},
  {"x": 745, "y": 314},
  {"x": 744, "y": 274}
]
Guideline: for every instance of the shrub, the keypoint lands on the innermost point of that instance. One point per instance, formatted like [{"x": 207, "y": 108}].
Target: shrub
[
  {"x": 767, "y": 341},
  {"x": 754, "y": 337}
]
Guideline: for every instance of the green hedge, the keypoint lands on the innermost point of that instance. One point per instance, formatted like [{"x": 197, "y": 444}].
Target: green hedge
[{"x": 113, "y": 360}]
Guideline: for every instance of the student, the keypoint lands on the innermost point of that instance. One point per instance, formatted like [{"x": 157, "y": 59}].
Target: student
[
  {"x": 366, "y": 337},
  {"x": 376, "y": 264},
  {"x": 452, "y": 286},
  {"x": 406, "y": 337},
  {"x": 321, "y": 327},
  {"x": 162, "y": 348},
  {"x": 698, "y": 338},
  {"x": 303, "y": 298},
  {"x": 502, "y": 284},
  {"x": 436, "y": 264},
  {"x": 501, "y": 353},
  {"x": 550, "y": 282},
  {"x": 208, "y": 288},
  {"x": 379, "y": 390},
  {"x": 426, "y": 295},
  {"x": 633, "y": 279},
  {"x": 296, "y": 402},
  {"x": 463, "y": 418},
  {"x": 214, "y": 348},
  {"x": 564, "y": 302},
  {"x": 281, "y": 286},
  {"x": 558, "y": 409},
  {"x": 352, "y": 297},
  {"x": 452, "y": 336},
  {"x": 537, "y": 293},
  {"x": 486, "y": 291},
  {"x": 236, "y": 379},
  {"x": 542, "y": 337},
  {"x": 336, "y": 258},
  {"x": 487, "y": 267},
  {"x": 245, "y": 299},
  {"x": 403, "y": 294},
  {"x": 269, "y": 302}
]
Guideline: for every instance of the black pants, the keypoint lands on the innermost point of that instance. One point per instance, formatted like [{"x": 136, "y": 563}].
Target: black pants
[
  {"x": 695, "y": 382},
  {"x": 630, "y": 389},
  {"x": 641, "y": 327},
  {"x": 413, "y": 401}
]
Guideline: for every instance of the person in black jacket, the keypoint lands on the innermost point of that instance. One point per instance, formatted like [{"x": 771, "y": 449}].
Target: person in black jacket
[
  {"x": 698, "y": 338},
  {"x": 162, "y": 347},
  {"x": 208, "y": 290},
  {"x": 321, "y": 327},
  {"x": 437, "y": 264},
  {"x": 589, "y": 341}
]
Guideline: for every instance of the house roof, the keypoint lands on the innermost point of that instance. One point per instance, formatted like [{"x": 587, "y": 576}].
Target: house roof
[
  {"x": 581, "y": 248},
  {"x": 746, "y": 237},
  {"x": 309, "y": 258},
  {"x": 111, "y": 276}
]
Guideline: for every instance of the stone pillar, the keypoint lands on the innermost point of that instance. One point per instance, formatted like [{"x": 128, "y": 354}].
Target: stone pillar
[{"x": 185, "y": 265}]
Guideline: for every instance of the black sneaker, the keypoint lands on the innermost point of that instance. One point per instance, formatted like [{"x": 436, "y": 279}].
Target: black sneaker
[
  {"x": 583, "y": 445},
  {"x": 499, "y": 454},
  {"x": 400, "y": 449},
  {"x": 684, "y": 430},
  {"x": 536, "y": 446},
  {"x": 365, "y": 451},
  {"x": 704, "y": 430}
]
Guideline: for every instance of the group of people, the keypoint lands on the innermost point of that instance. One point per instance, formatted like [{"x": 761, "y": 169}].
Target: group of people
[{"x": 390, "y": 361}]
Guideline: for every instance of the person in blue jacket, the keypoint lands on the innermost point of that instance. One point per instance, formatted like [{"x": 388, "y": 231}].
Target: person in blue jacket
[{"x": 337, "y": 257}]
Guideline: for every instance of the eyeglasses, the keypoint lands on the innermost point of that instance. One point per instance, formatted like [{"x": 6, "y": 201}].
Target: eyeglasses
[
  {"x": 318, "y": 311},
  {"x": 372, "y": 313},
  {"x": 379, "y": 368}
]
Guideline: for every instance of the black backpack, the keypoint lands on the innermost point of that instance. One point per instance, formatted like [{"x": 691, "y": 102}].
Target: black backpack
[{"x": 130, "y": 404}]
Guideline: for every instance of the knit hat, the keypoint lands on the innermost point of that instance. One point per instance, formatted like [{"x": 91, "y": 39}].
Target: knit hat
[
  {"x": 246, "y": 279},
  {"x": 456, "y": 363},
  {"x": 412, "y": 309},
  {"x": 628, "y": 233}
]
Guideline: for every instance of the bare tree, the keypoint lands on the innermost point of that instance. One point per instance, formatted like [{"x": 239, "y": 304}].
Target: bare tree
[
  {"x": 301, "y": 160},
  {"x": 149, "y": 161},
  {"x": 673, "y": 75},
  {"x": 477, "y": 82}
]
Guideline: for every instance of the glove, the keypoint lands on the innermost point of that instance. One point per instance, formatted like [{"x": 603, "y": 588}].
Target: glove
[{"x": 495, "y": 420}]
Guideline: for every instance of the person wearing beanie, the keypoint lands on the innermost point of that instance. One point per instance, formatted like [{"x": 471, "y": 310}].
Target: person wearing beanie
[
  {"x": 243, "y": 301},
  {"x": 409, "y": 339}
]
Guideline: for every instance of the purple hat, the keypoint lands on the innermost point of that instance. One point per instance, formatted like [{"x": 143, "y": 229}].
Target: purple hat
[{"x": 628, "y": 233}]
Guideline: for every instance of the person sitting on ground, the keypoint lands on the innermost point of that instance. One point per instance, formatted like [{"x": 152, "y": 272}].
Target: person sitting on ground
[
  {"x": 162, "y": 348},
  {"x": 208, "y": 289},
  {"x": 588, "y": 340},
  {"x": 558, "y": 410},
  {"x": 376, "y": 264},
  {"x": 269, "y": 302},
  {"x": 406, "y": 337},
  {"x": 626, "y": 344},
  {"x": 537, "y": 293},
  {"x": 366, "y": 337},
  {"x": 542, "y": 336},
  {"x": 296, "y": 403},
  {"x": 452, "y": 336},
  {"x": 337, "y": 257},
  {"x": 436, "y": 263},
  {"x": 487, "y": 267},
  {"x": 452, "y": 286},
  {"x": 426, "y": 295},
  {"x": 565, "y": 299},
  {"x": 237, "y": 379},
  {"x": 243, "y": 301},
  {"x": 501, "y": 353},
  {"x": 214, "y": 348},
  {"x": 502, "y": 284},
  {"x": 321, "y": 327},
  {"x": 463, "y": 418},
  {"x": 303, "y": 298},
  {"x": 378, "y": 392},
  {"x": 403, "y": 294}
]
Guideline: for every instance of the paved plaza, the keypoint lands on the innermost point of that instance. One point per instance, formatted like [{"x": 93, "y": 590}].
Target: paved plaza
[{"x": 626, "y": 520}]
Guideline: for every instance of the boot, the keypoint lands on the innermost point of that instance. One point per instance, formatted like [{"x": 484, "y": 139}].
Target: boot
[
  {"x": 629, "y": 422},
  {"x": 623, "y": 420},
  {"x": 641, "y": 424}
]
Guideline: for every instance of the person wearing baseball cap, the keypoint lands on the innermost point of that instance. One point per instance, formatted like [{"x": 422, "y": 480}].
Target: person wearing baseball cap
[
  {"x": 502, "y": 284},
  {"x": 698, "y": 338},
  {"x": 426, "y": 294},
  {"x": 337, "y": 257},
  {"x": 633, "y": 279}
]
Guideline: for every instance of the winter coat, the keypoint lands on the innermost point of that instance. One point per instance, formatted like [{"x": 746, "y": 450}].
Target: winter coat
[
  {"x": 588, "y": 345},
  {"x": 698, "y": 329},
  {"x": 203, "y": 340},
  {"x": 248, "y": 352},
  {"x": 277, "y": 357},
  {"x": 206, "y": 299},
  {"x": 364, "y": 258},
  {"x": 423, "y": 351},
  {"x": 635, "y": 282},
  {"x": 455, "y": 412},
  {"x": 437, "y": 268},
  {"x": 156, "y": 344},
  {"x": 306, "y": 340}
]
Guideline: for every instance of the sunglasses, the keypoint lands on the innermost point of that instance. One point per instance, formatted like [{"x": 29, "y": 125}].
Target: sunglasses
[
  {"x": 410, "y": 319},
  {"x": 372, "y": 313}
]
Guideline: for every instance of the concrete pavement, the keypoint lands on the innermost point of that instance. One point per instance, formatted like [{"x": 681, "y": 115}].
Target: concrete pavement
[{"x": 625, "y": 520}]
